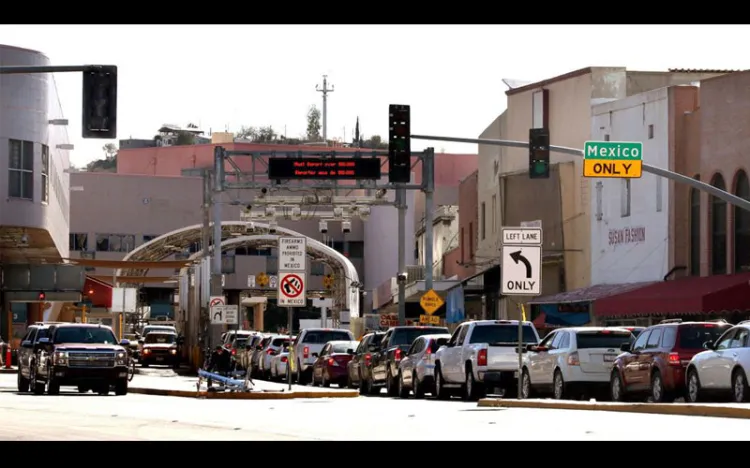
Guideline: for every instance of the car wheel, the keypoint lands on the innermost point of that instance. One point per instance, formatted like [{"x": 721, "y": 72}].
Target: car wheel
[
  {"x": 37, "y": 388},
  {"x": 23, "y": 382},
  {"x": 403, "y": 391},
  {"x": 390, "y": 385},
  {"x": 472, "y": 388},
  {"x": 658, "y": 394},
  {"x": 441, "y": 393},
  {"x": 362, "y": 386},
  {"x": 83, "y": 389},
  {"x": 324, "y": 381},
  {"x": 693, "y": 394},
  {"x": 559, "y": 386},
  {"x": 739, "y": 386},
  {"x": 416, "y": 388},
  {"x": 121, "y": 388},
  {"x": 616, "y": 388},
  {"x": 526, "y": 390}
]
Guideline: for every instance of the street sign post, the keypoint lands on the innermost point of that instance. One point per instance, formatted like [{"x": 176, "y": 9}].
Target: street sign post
[
  {"x": 621, "y": 159},
  {"x": 293, "y": 254},
  {"x": 521, "y": 272},
  {"x": 225, "y": 315},
  {"x": 431, "y": 302},
  {"x": 429, "y": 319},
  {"x": 291, "y": 291}
]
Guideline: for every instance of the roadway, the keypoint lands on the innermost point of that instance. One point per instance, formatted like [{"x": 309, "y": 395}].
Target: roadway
[{"x": 71, "y": 416}]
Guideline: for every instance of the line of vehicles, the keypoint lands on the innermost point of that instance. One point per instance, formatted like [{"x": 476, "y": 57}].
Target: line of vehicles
[{"x": 697, "y": 361}]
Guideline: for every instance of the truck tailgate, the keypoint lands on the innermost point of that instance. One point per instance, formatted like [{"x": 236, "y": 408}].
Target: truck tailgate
[{"x": 502, "y": 357}]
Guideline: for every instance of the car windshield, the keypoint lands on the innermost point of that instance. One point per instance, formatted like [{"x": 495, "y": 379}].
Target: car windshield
[
  {"x": 502, "y": 334},
  {"x": 85, "y": 335},
  {"x": 280, "y": 342},
  {"x": 343, "y": 347},
  {"x": 323, "y": 337},
  {"x": 160, "y": 338},
  {"x": 240, "y": 342},
  {"x": 406, "y": 336},
  {"x": 602, "y": 339},
  {"x": 693, "y": 336},
  {"x": 148, "y": 330}
]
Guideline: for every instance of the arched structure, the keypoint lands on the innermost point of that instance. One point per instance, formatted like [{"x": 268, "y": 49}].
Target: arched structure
[
  {"x": 236, "y": 234},
  {"x": 741, "y": 237}
]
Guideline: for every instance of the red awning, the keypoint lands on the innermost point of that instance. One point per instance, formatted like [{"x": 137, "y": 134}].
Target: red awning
[
  {"x": 686, "y": 296},
  {"x": 98, "y": 292},
  {"x": 587, "y": 294}
]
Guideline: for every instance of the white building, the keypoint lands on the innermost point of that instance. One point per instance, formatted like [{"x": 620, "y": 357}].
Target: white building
[
  {"x": 444, "y": 236},
  {"x": 630, "y": 217}
]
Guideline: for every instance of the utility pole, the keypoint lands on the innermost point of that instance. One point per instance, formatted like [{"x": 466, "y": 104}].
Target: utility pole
[
  {"x": 202, "y": 306},
  {"x": 401, "y": 278},
  {"x": 216, "y": 288},
  {"x": 325, "y": 90},
  {"x": 428, "y": 177}
]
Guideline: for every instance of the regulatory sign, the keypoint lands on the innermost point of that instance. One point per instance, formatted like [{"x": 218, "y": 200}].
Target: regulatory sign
[
  {"x": 622, "y": 159},
  {"x": 522, "y": 236},
  {"x": 291, "y": 291},
  {"x": 224, "y": 314},
  {"x": 292, "y": 254},
  {"x": 522, "y": 270},
  {"x": 217, "y": 301},
  {"x": 429, "y": 319},
  {"x": 431, "y": 302}
]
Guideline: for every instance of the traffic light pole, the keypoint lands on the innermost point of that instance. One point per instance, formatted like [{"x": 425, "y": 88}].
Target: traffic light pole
[
  {"x": 667, "y": 174},
  {"x": 428, "y": 179},
  {"x": 401, "y": 197},
  {"x": 215, "y": 286}
]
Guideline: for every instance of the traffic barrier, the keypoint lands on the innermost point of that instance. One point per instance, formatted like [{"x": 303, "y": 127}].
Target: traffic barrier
[
  {"x": 8, "y": 357},
  {"x": 675, "y": 409},
  {"x": 243, "y": 395}
]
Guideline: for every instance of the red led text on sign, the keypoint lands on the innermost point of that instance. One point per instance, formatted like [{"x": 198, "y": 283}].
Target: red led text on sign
[{"x": 323, "y": 169}]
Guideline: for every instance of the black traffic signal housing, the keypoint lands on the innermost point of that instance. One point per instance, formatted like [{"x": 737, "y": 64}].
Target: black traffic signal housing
[
  {"x": 399, "y": 144},
  {"x": 100, "y": 102},
  {"x": 539, "y": 153}
]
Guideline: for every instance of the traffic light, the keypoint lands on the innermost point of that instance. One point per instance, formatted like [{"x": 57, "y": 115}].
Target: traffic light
[
  {"x": 100, "y": 102},
  {"x": 538, "y": 153},
  {"x": 42, "y": 296},
  {"x": 399, "y": 144}
]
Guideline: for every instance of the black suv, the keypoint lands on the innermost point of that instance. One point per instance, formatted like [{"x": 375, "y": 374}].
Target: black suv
[
  {"x": 29, "y": 347},
  {"x": 393, "y": 347},
  {"x": 360, "y": 366},
  {"x": 77, "y": 354}
]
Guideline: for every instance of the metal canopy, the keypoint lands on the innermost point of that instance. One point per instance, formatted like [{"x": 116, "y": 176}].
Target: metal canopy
[{"x": 238, "y": 234}]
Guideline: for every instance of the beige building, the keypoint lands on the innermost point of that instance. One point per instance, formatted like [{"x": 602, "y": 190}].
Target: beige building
[{"x": 563, "y": 105}]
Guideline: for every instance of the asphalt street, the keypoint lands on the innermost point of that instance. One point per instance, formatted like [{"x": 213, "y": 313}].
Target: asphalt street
[{"x": 71, "y": 416}]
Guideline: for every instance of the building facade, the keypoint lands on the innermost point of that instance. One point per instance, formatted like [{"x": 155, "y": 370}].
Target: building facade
[{"x": 34, "y": 211}]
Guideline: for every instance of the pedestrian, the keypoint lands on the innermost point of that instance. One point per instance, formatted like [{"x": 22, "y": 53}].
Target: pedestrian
[{"x": 220, "y": 363}]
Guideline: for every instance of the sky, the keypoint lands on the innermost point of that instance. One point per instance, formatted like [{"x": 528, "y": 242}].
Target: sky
[{"x": 225, "y": 77}]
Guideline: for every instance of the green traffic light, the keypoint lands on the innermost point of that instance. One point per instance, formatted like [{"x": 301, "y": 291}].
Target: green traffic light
[{"x": 540, "y": 167}]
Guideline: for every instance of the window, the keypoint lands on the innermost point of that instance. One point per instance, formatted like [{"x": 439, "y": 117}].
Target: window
[
  {"x": 356, "y": 249},
  {"x": 78, "y": 241},
  {"x": 693, "y": 336},
  {"x": 149, "y": 238},
  {"x": 494, "y": 213},
  {"x": 654, "y": 339},
  {"x": 500, "y": 335},
  {"x": 45, "y": 173},
  {"x": 565, "y": 341},
  {"x": 115, "y": 242},
  {"x": 625, "y": 199},
  {"x": 195, "y": 247},
  {"x": 555, "y": 344},
  {"x": 607, "y": 339},
  {"x": 317, "y": 269},
  {"x": 741, "y": 225},
  {"x": 227, "y": 264},
  {"x": 252, "y": 251},
  {"x": 651, "y": 132},
  {"x": 669, "y": 336},
  {"x": 718, "y": 229},
  {"x": 547, "y": 341},
  {"x": 725, "y": 342},
  {"x": 484, "y": 221},
  {"x": 323, "y": 337},
  {"x": 658, "y": 194},
  {"x": 640, "y": 343},
  {"x": 462, "y": 335},
  {"x": 695, "y": 232},
  {"x": 272, "y": 265},
  {"x": 21, "y": 169}
]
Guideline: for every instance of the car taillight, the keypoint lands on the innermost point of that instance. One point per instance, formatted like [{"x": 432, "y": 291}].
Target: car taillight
[
  {"x": 428, "y": 352},
  {"x": 708, "y": 325},
  {"x": 397, "y": 354},
  {"x": 305, "y": 352},
  {"x": 368, "y": 358},
  {"x": 482, "y": 357},
  {"x": 234, "y": 352},
  {"x": 270, "y": 352},
  {"x": 229, "y": 345},
  {"x": 283, "y": 359},
  {"x": 332, "y": 362},
  {"x": 573, "y": 359},
  {"x": 674, "y": 359}
]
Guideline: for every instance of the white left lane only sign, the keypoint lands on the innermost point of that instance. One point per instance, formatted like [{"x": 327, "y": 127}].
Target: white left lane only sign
[{"x": 522, "y": 270}]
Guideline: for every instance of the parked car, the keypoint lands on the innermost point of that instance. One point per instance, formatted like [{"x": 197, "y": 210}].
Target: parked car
[
  {"x": 273, "y": 346},
  {"x": 482, "y": 354},
  {"x": 160, "y": 347},
  {"x": 29, "y": 347},
  {"x": 572, "y": 362},
  {"x": 723, "y": 368},
  {"x": 330, "y": 364},
  {"x": 416, "y": 370},
  {"x": 360, "y": 366},
  {"x": 308, "y": 342},
  {"x": 386, "y": 360},
  {"x": 279, "y": 366},
  {"x": 654, "y": 365}
]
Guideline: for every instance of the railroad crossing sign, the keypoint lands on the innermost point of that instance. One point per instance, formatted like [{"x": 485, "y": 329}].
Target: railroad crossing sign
[
  {"x": 291, "y": 291},
  {"x": 522, "y": 261},
  {"x": 429, "y": 319},
  {"x": 431, "y": 302},
  {"x": 622, "y": 159},
  {"x": 224, "y": 315},
  {"x": 293, "y": 254}
]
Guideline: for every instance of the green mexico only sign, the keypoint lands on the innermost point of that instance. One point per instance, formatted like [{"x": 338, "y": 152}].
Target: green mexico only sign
[{"x": 622, "y": 159}]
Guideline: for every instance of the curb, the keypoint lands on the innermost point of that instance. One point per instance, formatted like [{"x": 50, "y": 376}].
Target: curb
[
  {"x": 675, "y": 409},
  {"x": 8, "y": 371},
  {"x": 242, "y": 395}
]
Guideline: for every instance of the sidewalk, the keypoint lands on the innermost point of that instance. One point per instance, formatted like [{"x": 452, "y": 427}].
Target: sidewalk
[{"x": 187, "y": 387}]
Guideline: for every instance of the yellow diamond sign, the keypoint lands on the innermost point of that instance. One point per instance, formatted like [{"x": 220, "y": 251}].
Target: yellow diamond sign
[{"x": 431, "y": 302}]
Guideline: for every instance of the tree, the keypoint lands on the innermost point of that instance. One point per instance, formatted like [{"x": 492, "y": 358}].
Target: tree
[
  {"x": 313, "y": 124},
  {"x": 108, "y": 163},
  {"x": 357, "y": 141},
  {"x": 266, "y": 135},
  {"x": 248, "y": 133},
  {"x": 185, "y": 138},
  {"x": 375, "y": 142},
  {"x": 110, "y": 150}
]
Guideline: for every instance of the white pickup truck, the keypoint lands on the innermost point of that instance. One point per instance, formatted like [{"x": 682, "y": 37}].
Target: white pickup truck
[{"x": 481, "y": 354}]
